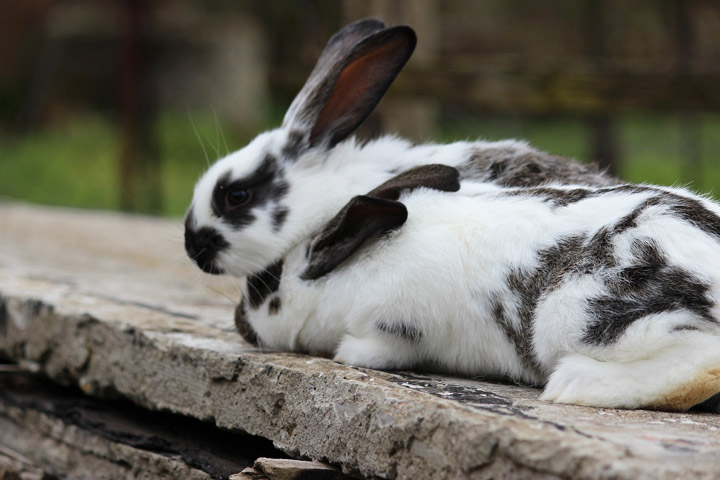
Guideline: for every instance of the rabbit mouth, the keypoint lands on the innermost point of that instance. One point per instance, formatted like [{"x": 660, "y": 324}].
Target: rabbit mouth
[{"x": 210, "y": 268}]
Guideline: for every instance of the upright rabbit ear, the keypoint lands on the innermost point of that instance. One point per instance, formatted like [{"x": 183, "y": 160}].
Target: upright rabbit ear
[
  {"x": 362, "y": 218},
  {"x": 353, "y": 73}
]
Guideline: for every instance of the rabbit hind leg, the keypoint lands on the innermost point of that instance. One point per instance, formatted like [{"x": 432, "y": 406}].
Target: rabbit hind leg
[{"x": 674, "y": 377}]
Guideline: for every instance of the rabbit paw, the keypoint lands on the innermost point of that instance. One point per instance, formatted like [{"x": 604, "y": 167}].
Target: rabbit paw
[
  {"x": 658, "y": 382},
  {"x": 374, "y": 352},
  {"x": 581, "y": 380}
]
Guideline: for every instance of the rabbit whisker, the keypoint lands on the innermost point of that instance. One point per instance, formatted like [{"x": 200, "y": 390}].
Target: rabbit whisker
[
  {"x": 197, "y": 134},
  {"x": 219, "y": 133},
  {"x": 256, "y": 265}
]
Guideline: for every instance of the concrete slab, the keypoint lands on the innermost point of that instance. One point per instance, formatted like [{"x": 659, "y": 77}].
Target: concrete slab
[
  {"x": 57, "y": 432},
  {"x": 109, "y": 303}
]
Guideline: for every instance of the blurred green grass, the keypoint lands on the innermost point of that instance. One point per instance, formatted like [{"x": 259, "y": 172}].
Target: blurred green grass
[
  {"x": 651, "y": 146},
  {"x": 75, "y": 164}
]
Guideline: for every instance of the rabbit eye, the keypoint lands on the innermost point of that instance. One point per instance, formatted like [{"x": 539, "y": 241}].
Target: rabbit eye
[{"x": 237, "y": 197}]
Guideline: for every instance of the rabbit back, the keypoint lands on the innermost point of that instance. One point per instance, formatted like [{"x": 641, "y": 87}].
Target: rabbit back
[{"x": 520, "y": 279}]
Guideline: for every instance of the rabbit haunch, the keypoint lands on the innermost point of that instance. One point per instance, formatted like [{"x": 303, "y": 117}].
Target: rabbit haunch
[
  {"x": 255, "y": 204},
  {"x": 608, "y": 299}
]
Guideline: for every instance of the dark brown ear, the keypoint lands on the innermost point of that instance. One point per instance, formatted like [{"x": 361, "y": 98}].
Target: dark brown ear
[
  {"x": 438, "y": 177},
  {"x": 363, "y": 217},
  {"x": 349, "y": 80},
  {"x": 335, "y": 53}
]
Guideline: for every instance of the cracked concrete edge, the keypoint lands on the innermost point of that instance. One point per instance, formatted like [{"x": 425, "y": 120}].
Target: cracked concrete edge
[
  {"x": 59, "y": 449},
  {"x": 289, "y": 469},
  {"x": 308, "y": 406},
  {"x": 14, "y": 466}
]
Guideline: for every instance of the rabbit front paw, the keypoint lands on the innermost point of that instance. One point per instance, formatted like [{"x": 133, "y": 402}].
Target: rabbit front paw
[{"x": 375, "y": 352}]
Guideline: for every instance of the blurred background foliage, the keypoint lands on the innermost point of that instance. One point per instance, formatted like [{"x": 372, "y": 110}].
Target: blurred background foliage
[{"x": 123, "y": 104}]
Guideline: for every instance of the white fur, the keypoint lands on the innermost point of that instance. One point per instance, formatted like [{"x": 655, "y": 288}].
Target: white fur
[
  {"x": 446, "y": 269},
  {"x": 320, "y": 183},
  {"x": 322, "y": 178},
  {"x": 441, "y": 270}
]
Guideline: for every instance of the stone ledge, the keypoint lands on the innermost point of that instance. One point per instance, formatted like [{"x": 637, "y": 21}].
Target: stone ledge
[
  {"x": 106, "y": 302},
  {"x": 283, "y": 469},
  {"x": 57, "y": 432}
]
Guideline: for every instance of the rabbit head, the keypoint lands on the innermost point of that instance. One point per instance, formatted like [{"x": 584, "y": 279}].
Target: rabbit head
[
  {"x": 250, "y": 207},
  {"x": 254, "y": 205}
]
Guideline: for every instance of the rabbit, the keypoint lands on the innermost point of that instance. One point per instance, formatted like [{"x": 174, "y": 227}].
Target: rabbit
[
  {"x": 252, "y": 206},
  {"x": 606, "y": 296}
]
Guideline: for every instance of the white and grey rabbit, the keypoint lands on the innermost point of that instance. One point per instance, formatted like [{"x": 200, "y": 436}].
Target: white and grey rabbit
[
  {"x": 257, "y": 205},
  {"x": 607, "y": 296},
  {"x": 252, "y": 206}
]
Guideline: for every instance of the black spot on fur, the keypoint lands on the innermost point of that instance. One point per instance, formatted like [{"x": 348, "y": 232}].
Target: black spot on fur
[
  {"x": 266, "y": 184},
  {"x": 513, "y": 167},
  {"x": 597, "y": 253},
  {"x": 279, "y": 190},
  {"x": 562, "y": 197},
  {"x": 694, "y": 212},
  {"x": 520, "y": 337},
  {"x": 218, "y": 200},
  {"x": 639, "y": 275},
  {"x": 243, "y": 327},
  {"x": 263, "y": 284},
  {"x": 279, "y": 216},
  {"x": 630, "y": 220},
  {"x": 688, "y": 209},
  {"x": 495, "y": 170},
  {"x": 296, "y": 143},
  {"x": 649, "y": 286},
  {"x": 190, "y": 218},
  {"x": 274, "y": 306},
  {"x": 554, "y": 264},
  {"x": 685, "y": 328},
  {"x": 402, "y": 330}
]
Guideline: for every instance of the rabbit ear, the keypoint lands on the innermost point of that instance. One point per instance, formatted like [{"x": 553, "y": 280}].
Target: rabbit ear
[
  {"x": 362, "y": 218},
  {"x": 353, "y": 73},
  {"x": 375, "y": 213},
  {"x": 438, "y": 177}
]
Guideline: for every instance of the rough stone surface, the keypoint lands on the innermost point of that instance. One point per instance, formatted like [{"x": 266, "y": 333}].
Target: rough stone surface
[
  {"x": 52, "y": 448},
  {"x": 108, "y": 303},
  {"x": 54, "y": 432},
  {"x": 14, "y": 466},
  {"x": 249, "y": 474},
  {"x": 288, "y": 469}
]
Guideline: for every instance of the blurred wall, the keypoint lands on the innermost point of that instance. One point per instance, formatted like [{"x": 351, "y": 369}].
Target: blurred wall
[
  {"x": 135, "y": 61},
  {"x": 508, "y": 56},
  {"x": 71, "y": 59}
]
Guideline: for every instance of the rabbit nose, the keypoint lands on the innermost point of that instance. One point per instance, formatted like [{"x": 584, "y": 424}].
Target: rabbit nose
[{"x": 202, "y": 246}]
